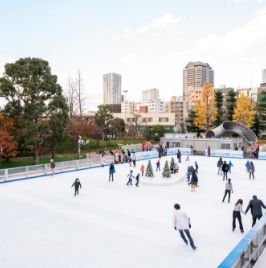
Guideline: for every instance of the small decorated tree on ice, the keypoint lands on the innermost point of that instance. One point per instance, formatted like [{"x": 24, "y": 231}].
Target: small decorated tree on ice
[
  {"x": 166, "y": 170},
  {"x": 149, "y": 170},
  {"x": 172, "y": 166}
]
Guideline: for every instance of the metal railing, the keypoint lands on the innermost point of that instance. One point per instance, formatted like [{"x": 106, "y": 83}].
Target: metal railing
[
  {"x": 248, "y": 250},
  {"x": 27, "y": 172}
]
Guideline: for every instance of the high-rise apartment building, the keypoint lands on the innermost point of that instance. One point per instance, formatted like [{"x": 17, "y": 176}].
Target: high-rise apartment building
[
  {"x": 195, "y": 74},
  {"x": 112, "y": 89},
  {"x": 263, "y": 76},
  {"x": 151, "y": 99}
]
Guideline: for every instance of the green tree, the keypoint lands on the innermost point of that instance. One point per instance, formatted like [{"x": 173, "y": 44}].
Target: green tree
[
  {"x": 261, "y": 109},
  {"x": 118, "y": 127},
  {"x": 153, "y": 132},
  {"x": 149, "y": 170},
  {"x": 190, "y": 123},
  {"x": 230, "y": 104},
  {"x": 34, "y": 99},
  {"x": 103, "y": 119},
  {"x": 219, "y": 105},
  {"x": 256, "y": 127}
]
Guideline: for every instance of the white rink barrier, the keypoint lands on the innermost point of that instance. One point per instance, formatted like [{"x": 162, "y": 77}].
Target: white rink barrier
[
  {"x": 226, "y": 153},
  {"x": 183, "y": 151},
  {"x": 262, "y": 156},
  {"x": 248, "y": 250}
]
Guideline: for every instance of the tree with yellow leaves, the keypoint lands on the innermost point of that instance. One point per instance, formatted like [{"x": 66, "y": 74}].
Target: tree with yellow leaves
[
  {"x": 244, "y": 111},
  {"x": 205, "y": 109}
]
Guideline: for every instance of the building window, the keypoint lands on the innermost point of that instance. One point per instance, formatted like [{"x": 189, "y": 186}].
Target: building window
[
  {"x": 163, "y": 119},
  {"x": 225, "y": 146}
]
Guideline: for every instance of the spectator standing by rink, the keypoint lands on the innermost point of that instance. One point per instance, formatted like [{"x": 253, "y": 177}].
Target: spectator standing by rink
[
  {"x": 251, "y": 170},
  {"x": 181, "y": 222},
  {"x": 237, "y": 215},
  {"x": 228, "y": 190},
  {"x": 225, "y": 169},
  {"x": 52, "y": 164},
  {"x": 230, "y": 165},
  {"x": 219, "y": 166},
  {"x": 76, "y": 185},
  {"x": 178, "y": 155},
  {"x": 130, "y": 177},
  {"x": 142, "y": 168},
  {"x": 111, "y": 172},
  {"x": 256, "y": 206},
  {"x": 158, "y": 165}
]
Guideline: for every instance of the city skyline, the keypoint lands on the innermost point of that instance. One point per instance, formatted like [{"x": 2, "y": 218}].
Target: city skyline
[{"x": 148, "y": 43}]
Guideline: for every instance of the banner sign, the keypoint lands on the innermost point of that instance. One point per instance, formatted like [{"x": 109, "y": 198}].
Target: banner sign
[
  {"x": 262, "y": 155},
  {"x": 183, "y": 151},
  {"x": 147, "y": 155},
  {"x": 225, "y": 153}
]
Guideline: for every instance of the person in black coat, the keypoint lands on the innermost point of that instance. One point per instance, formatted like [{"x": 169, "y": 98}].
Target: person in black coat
[
  {"x": 225, "y": 169},
  {"x": 255, "y": 205},
  {"x": 178, "y": 155},
  {"x": 77, "y": 185}
]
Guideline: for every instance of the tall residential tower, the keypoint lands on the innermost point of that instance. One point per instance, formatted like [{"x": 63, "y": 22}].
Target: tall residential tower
[{"x": 112, "y": 89}]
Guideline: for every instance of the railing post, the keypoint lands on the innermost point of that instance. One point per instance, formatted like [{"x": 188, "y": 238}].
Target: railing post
[{"x": 6, "y": 174}]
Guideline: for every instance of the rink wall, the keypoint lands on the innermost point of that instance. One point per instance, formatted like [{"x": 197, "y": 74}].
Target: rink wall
[
  {"x": 248, "y": 250},
  {"x": 225, "y": 153}
]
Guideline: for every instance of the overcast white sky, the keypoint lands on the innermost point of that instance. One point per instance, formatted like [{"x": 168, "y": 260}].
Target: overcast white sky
[{"x": 147, "y": 42}]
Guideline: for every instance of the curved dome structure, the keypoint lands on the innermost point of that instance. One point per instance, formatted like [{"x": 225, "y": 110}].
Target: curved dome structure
[{"x": 228, "y": 128}]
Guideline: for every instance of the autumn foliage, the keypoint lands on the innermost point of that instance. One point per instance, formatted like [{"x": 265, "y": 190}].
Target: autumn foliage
[
  {"x": 8, "y": 145},
  {"x": 244, "y": 111},
  {"x": 205, "y": 109}
]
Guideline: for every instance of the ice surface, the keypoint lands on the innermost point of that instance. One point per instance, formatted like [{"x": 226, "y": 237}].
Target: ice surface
[{"x": 117, "y": 226}]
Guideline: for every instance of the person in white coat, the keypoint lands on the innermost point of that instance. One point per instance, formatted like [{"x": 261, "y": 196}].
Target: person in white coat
[{"x": 181, "y": 222}]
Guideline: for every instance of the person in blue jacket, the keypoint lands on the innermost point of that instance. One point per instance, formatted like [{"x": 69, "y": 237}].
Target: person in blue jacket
[
  {"x": 230, "y": 165},
  {"x": 111, "y": 172}
]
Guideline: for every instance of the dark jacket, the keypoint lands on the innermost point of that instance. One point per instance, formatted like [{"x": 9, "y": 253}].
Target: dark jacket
[
  {"x": 219, "y": 163},
  {"x": 225, "y": 167},
  {"x": 194, "y": 178},
  {"x": 77, "y": 184},
  {"x": 255, "y": 206},
  {"x": 112, "y": 168}
]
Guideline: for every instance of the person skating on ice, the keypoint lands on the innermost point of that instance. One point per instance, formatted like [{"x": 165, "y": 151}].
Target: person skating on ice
[
  {"x": 137, "y": 179},
  {"x": 158, "y": 165},
  {"x": 225, "y": 169},
  {"x": 219, "y": 166},
  {"x": 134, "y": 159},
  {"x": 111, "y": 172},
  {"x": 194, "y": 180},
  {"x": 228, "y": 190},
  {"x": 76, "y": 185},
  {"x": 255, "y": 205},
  {"x": 178, "y": 155},
  {"x": 230, "y": 165},
  {"x": 251, "y": 170},
  {"x": 237, "y": 215},
  {"x": 247, "y": 165},
  {"x": 130, "y": 177},
  {"x": 142, "y": 169},
  {"x": 181, "y": 222},
  {"x": 196, "y": 167}
]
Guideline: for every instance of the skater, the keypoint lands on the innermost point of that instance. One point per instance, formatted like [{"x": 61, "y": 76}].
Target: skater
[
  {"x": 247, "y": 166},
  {"x": 52, "y": 164},
  {"x": 111, "y": 172},
  {"x": 102, "y": 159},
  {"x": 189, "y": 172},
  {"x": 230, "y": 165},
  {"x": 187, "y": 158},
  {"x": 178, "y": 155},
  {"x": 225, "y": 169},
  {"x": 209, "y": 151},
  {"x": 134, "y": 159},
  {"x": 228, "y": 190},
  {"x": 256, "y": 209},
  {"x": 158, "y": 165},
  {"x": 219, "y": 165},
  {"x": 130, "y": 177},
  {"x": 129, "y": 160},
  {"x": 77, "y": 185},
  {"x": 181, "y": 222},
  {"x": 251, "y": 170},
  {"x": 142, "y": 168},
  {"x": 237, "y": 215},
  {"x": 196, "y": 167},
  {"x": 137, "y": 180},
  {"x": 194, "y": 180}
]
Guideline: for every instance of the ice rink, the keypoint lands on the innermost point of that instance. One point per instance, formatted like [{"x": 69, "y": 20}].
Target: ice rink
[{"x": 117, "y": 226}]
